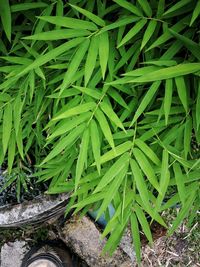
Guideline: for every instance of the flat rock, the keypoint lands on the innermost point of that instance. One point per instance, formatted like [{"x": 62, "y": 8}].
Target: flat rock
[
  {"x": 37, "y": 211},
  {"x": 12, "y": 253},
  {"x": 84, "y": 238}
]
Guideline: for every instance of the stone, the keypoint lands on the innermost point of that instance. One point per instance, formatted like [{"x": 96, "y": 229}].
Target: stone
[
  {"x": 12, "y": 253},
  {"x": 84, "y": 238}
]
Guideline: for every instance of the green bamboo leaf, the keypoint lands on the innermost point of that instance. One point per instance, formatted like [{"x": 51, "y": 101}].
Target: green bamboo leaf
[
  {"x": 89, "y": 200},
  {"x": 191, "y": 45},
  {"x": 136, "y": 236},
  {"x": 68, "y": 124},
  {"x": 118, "y": 98},
  {"x": 179, "y": 26},
  {"x": 19, "y": 140},
  {"x": 118, "y": 24},
  {"x": 160, "y": 63},
  {"x": 97, "y": 20},
  {"x": 7, "y": 126},
  {"x": 183, "y": 212},
  {"x": 116, "y": 152},
  {"x": 82, "y": 158},
  {"x": 64, "y": 142},
  {"x": 147, "y": 151},
  {"x": 168, "y": 98},
  {"x": 42, "y": 59},
  {"x": 17, "y": 60},
  {"x": 176, "y": 6},
  {"x": 27, "y": 6},
  {"x": 140, "y": 183},
  {"x": 91, "y": 58},
  {"x": 112, "y": 172},
  {"x": 141, "y": 71},
  {"x": 167, "y": 73},
  {"x": 146, "y": 7},
  {"x": 195, "y": 13},
  {"x": 17, "y": 108},
  {"x": 135, "y": 29},
  {"x": 91, "y": 92},
  {"x": 103, "y": 52},
  {"x": 67, "y": 93},
  {"x": 75, "y": 111},
  {"x": 6, "y": 17},
  {"x": 112, "y": 190},
  {"x": 143, "y": 221},
  {"x": 198, "y": 106},
  {"x": 148, "y": 33},
  {"x": 146, "y": 167},
  {"x": 164, "y": 180},
  {"x": 179, "y": 182},
  {"x": 146, "y": 100},
  {"x": 74, "y": 65},
  {"x": 104, "y": 127},
  {"x": 11, "y": 152},
  {"x": 132, "y": 8},
  {"x": 182, "y": 91},
  {"x": 96, "y": 144},
  {"x": 57, "y": 35},
  {"x": 70, "y": 22},
  {"x": 111, "y": 115},
  {"x": 187, "y": 136}
]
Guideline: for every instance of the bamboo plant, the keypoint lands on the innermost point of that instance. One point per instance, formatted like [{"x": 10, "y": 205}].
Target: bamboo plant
[{"x": 102, "y": 99}]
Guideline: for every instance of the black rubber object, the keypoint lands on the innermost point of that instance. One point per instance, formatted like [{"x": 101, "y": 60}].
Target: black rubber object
[{"x": 44, "y": 256}]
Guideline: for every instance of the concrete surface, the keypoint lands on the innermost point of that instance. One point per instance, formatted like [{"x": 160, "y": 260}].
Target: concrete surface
[{"x": 12, "y": 253}]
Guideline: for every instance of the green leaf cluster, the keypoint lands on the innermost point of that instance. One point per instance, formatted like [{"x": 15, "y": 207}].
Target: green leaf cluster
[{"x": 102, "y": 98}]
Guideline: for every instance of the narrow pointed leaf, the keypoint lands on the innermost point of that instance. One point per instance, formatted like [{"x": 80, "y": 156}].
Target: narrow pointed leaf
[
  {"x": 167, "y": 73},
  {"x": 104, "y": 127},
  {"x": 146, "y": 100},
  {"x": 63, "y": 143},
  {"x": 82, "y": 158},
  {"x": 146, "y": 7},
  {"x": 7, "y": 126},
  {"x": 42, "y": 59},
  {"x": 57, "y": 35},
  {"x": 146, "y": 167},
  {"x": 182, "y": 91},
  {"x": 103, "y": 52},
  {"x": 6, "y": 17},
  {"x": 179, "y": 182},
  {"x": 168, "y": 98},
  {"x": 91, "y": 58},
  {"x": 96, "y": 144},
  {"x": 187, "y": 136},
  {"x": 195, "y": 13},
  {"x": 112, "y": 172},
  {"x": 74, "y": 65},
  {"x": 136, "y": 28},
  {"x": 140, "y": 183},
  {"x": 111, "y": 114},
  {"x": 148, "y": 33},
  {"x": 70, "y": 22},
  {"x": 147, "y": 151},
  {"x": 183, "y": 212},
  {"x": 75, "y": 111},
  {"x": 143, "y": 221},
  {"x": 97, "y": 20},
  {"x": 132, "y": 8}
]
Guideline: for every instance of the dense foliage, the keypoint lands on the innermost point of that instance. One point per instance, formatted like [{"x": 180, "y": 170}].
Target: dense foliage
[{"x": 102, "y": 98}]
